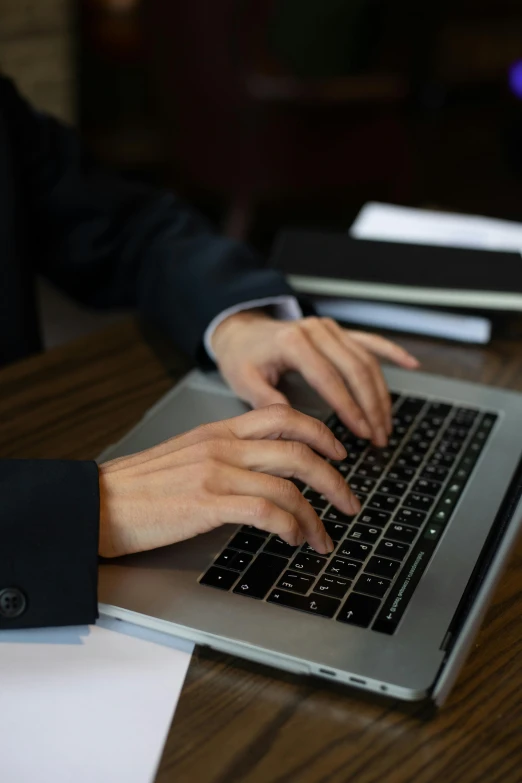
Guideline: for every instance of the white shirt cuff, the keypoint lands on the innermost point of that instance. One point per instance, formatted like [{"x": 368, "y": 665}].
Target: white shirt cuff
[{"x": 286, "y": 308}]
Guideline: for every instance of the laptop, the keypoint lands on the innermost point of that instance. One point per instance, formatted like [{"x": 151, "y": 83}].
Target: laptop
[{"x": 394, "y": 609}]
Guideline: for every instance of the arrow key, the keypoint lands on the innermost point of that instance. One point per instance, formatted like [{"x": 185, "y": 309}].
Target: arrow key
[{"x": 358, "y": 610}]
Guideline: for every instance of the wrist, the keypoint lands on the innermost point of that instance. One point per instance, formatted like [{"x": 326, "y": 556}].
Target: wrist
[{"x": 230, "y": 326}]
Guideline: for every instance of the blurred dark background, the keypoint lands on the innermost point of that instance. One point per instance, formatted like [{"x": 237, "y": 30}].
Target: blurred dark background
[{"x": 273, "y": 112}]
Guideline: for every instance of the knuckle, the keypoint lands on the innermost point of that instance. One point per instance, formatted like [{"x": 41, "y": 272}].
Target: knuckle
[
  {"x": 291, "y": 335},
  {"x": 298, "y": 451},
  {"x": 288, "y": 491},
  {"x": 329, "y": 322},
  {"x": 279, "y": 412},
  {"x": 288, "y": 525},
  {"x": 261, "y": 508},
  {"x": 210, "y": 473}
]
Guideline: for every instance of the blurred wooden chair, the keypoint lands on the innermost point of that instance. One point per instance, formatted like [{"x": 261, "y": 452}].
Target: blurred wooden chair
[{"x": 240, "y": 125}]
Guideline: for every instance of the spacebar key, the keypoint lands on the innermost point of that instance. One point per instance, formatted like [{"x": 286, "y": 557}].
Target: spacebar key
[{"x": 261, "y": 576}]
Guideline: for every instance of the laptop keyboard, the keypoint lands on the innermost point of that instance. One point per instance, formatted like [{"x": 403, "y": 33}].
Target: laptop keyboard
[{"x": 408, "y": 492}]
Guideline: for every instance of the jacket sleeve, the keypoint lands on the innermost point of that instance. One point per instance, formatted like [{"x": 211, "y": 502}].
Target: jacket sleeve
[
  {"x": 108, "y": 242},
  {"x": 49, "y": 517}
]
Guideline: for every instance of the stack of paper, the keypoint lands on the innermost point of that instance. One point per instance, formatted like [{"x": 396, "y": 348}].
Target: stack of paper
[{"x": 391, "y": 223}]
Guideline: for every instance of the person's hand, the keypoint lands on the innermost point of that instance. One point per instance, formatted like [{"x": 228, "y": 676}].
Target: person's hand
[
  {"x": 253, "y": 351},
  {"x": 233, "y": 471}
]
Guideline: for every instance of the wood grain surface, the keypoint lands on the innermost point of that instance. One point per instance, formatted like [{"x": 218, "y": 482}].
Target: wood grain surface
[{"x": 242, "y": 723}]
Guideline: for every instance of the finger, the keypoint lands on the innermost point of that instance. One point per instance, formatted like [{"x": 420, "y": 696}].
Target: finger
[
  {"x": 301, "y": 355},
  {"x": 260, "y": 513},
  {"x": 237, "y": 481},
  {"x": 386, "y": 349},
  {"x": 356, "y": 372},
  {"x": 372, "y": 365},
  {"x": 253, "y": 387},
  {"x": 281, "y": 421},
  {"x": 288, "y": 459}
]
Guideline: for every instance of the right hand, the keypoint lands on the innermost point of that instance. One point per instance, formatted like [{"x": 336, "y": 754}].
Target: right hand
[{"x": 234, "y": 471}]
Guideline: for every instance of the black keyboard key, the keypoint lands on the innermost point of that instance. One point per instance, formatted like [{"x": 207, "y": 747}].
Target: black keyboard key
[
  {"x": 410, "y": 516},
  {"x": 344, "y": 469},
  {"x": 361, "y": 497},
  {"x": 419, "y": 502},
  {"x": 261, "y": 576},
  {"x": 409, "y": 461},
  {"x": 441, "y": 409},
  {"x": 247, "y": 542},
  {"x": 374, "y": 518},
  {"x": 309, "y": 564},
  {"x": 394, "y": 441},
  {"x": 358, "y": 610},
  {"x": 368, "y": 535},
  {"x": 236, "y": 561},
  {"x": 299, "y": 484},
  {"x": 351, "y": 458},
  {"x": 446, "y": 446},
  {"x": 335, "y": 530},
  {"x": 389, "y": 487},
  {"x": 488, "y": 422},
  {"x": 370, "y": 469},
  {"x": 416, "y": 448},
  {"x": 384, "y": 502},
  {"x": 465, "y": 414},
  {"x": 242, "y": 561},
  {"x": 309, "y": 550},
  {"x": 276, "y": 546},
  {"x": 226, "y": 558},
  {"x": 439, "y": 458},
  {"x": 219, "y": 577},
  {"x": 361, "y": 484},
  {"x": 346, "y": 569},
  {"x": 427, "y": 487},
  {"x": 250, "y": 529},
  {"x": 354, "y": 550},
  {"x": 320, "y": 605},
  {"x": 297, "y": 583},
  {"x": 396, "y": 473},
  {"x": 456, "y": 433},
  {"x": 411, "y": 405},
  {"x": 332, "y": 515},
  {"x": 392, "y": 549},
  {"x": 372, "y": 585},
  {"x": 437, "y": 472},
  {"x": 331, "y": 586},
  {"x": 401, "y": 533},
  {"x": 315, "y": 499},
  {"x": 382, "y": 567},
  {"x": 378, "y": 456}
]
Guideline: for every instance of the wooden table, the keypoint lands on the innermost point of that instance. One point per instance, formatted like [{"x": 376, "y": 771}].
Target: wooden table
[{"x": 238, "y": 722}]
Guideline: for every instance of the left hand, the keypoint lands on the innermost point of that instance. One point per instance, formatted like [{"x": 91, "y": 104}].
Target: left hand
[{"x": 253, "y": 351}]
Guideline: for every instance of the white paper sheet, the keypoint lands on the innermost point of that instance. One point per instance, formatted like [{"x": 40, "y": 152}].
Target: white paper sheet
[
  {"x": 418, "y": 226},
  {"x": 90, "y": 704}
]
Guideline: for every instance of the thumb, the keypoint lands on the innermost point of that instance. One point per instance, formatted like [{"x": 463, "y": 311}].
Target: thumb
[{"x": 254, "y": 388}]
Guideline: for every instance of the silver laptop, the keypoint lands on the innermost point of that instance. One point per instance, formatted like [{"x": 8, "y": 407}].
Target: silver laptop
[{"x": 395, "y": 607}]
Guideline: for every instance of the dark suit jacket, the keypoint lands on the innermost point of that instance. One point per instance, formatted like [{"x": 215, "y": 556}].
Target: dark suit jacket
[{"x": 106, "y": 242}]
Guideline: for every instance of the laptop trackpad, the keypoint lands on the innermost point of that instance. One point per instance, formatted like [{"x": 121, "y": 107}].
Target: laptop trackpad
[{"x": 183, "y": 410}]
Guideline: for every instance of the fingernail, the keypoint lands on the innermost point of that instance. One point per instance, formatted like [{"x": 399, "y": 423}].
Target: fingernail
[
  {"x": 340, "y": 450},
  {"x": 381, "y": 438},
  {"x": 328, "y": 543},
  {"x": 364, "y": 429},
  {"x": 356, "y": 505}
]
